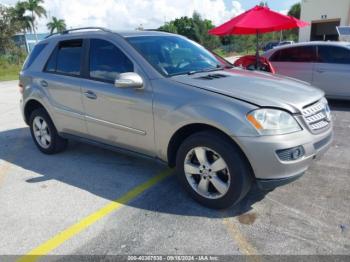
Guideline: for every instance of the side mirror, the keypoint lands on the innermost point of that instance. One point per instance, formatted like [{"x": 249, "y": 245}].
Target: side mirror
[{"x": 130, "y": 79}]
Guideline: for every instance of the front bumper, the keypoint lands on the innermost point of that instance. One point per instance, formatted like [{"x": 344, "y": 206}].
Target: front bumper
[
  {"x": 269, "y": 184},
  {"x": 270, "y": 171}
]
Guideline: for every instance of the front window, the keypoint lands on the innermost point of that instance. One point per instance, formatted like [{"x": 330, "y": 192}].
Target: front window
[
  {"x": 333, "y": 55},
  {"x": 107, "y": 61},
  {"x": 173, "y": 55}
]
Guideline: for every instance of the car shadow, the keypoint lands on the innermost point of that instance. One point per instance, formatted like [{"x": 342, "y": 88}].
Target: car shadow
[{"x": 109, "y": 175}]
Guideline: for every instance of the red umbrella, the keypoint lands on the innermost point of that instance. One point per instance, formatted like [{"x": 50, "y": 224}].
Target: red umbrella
[
  {"x": 259, "y": 19},
  {"x": 299, "y": 23},
  {"x": 256, "y": 21}
]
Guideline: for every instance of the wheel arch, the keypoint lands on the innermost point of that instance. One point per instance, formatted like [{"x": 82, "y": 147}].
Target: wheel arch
[
  {"x": 30, "y": 106},
  {"x": 184, "y": 132}
]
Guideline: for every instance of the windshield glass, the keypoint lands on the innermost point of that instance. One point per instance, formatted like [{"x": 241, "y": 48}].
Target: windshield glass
[{"x": 173, "y": 55}]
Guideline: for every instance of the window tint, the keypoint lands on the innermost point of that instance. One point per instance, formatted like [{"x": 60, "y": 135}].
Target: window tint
[
  {"x": 51, "y": 64},
  {"x": 333, "y": 54},
  {"x": 66, "y": 58},
  {"x": 33, "y": 55},
  {"x": 106, "y": 61},
  {"x": 295, "y": 54}
]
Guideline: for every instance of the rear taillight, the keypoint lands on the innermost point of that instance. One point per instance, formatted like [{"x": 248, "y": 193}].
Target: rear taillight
[{"x": 21, "y": 88}]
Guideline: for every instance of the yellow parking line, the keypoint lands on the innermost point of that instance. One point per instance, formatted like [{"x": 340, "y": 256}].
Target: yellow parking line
[
  {"x": 244, "y": 246},
  {"x": 73, "y": 230}
]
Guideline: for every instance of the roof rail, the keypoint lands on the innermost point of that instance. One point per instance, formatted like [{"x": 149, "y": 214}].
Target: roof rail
[{"x": 80, "y": 28}]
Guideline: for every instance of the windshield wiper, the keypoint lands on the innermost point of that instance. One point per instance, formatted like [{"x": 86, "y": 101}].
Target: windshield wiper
[{"x": 218, "y": 67}]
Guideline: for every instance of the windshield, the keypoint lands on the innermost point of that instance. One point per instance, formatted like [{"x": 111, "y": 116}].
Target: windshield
[{"x": 173, "y": 55}]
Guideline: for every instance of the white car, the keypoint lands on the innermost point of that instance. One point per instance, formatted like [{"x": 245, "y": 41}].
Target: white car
[{"x": 325, "y": 65}]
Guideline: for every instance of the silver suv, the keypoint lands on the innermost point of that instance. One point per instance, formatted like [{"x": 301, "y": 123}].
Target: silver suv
[{"x": 166, "y": 97}]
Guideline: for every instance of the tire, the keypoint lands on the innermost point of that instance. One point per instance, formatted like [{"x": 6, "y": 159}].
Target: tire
[
  {"x": 235, "y": 179},
  {"x": 52, "y": 143}
]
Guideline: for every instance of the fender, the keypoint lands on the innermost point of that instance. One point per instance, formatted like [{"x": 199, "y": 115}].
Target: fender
[
  {"x": 33, "y": 93},
  {"x": 218, "y": 111}
]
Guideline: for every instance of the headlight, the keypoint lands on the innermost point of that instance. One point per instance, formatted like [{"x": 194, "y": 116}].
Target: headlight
[
  {"x": 327, "y": 109},
  {"x": 273, "y": 122}
]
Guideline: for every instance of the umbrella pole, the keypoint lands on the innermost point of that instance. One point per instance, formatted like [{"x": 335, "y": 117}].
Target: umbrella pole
[{"x": 257, "y": 50}]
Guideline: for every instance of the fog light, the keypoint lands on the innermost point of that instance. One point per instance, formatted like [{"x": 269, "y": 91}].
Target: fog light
[
  {"x": 296, "y": 153},
  {"x": 291, "y": 154}
]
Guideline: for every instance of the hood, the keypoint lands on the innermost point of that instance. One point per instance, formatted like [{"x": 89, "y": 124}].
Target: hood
[{"x": 261, "y": 89}]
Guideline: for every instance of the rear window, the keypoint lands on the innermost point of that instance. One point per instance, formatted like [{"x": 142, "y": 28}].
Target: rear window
[
  {"x": 66, "y": 58},
  {"x": 295, "y": 54},
  {"x": 33, "y": 55}
]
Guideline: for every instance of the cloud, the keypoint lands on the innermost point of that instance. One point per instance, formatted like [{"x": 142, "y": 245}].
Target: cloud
[
  {"x": 283, "y": 12},
  {"x": 127, "y": 14}
]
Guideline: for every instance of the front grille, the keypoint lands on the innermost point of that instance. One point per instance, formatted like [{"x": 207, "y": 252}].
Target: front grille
[{"x": 317, "y": 115}]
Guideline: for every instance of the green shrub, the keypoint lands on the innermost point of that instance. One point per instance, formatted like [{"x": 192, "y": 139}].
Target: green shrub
[{"x": 10, "y": 65}]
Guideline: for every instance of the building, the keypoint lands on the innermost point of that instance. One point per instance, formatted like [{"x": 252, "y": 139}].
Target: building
[
  {"x": 324, "y": 16},
  {"x": 28, "y": 41}
]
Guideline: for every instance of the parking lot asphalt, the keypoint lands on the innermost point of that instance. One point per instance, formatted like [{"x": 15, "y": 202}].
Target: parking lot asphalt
[{"x": 42, "y": 196}]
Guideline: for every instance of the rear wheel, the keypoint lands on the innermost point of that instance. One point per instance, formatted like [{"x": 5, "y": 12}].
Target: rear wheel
[
  {"x": 213, "y": 170},
  {"x": 44, "y": 133}
]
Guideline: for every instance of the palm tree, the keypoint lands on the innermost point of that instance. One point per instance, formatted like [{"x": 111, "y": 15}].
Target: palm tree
[
  {"x": 36, "y": 9},
  {"x": 17, "y": 14},
  {"x": 56, "y": 24}
]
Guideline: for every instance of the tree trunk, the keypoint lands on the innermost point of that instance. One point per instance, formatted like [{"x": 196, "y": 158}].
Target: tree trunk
[
  {"x": 33, "y": 21},
  {"x": 257, "y": 58}
]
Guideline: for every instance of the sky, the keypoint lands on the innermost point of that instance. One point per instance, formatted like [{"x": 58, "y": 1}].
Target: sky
[{"x": 150, "y": 14}]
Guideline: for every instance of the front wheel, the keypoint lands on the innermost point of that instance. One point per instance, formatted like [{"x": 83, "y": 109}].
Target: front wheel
[{"x": 213, "y": 170}]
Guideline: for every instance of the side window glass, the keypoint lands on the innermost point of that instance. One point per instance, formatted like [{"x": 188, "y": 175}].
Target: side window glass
[
  {"x": 295, "y": 54},
  {"x": 276, "y": 56},
  {"x": 66, "y": 58},
  {"x": 304, "y": 54},
  {"x": 51, "y": 64},
  {"x": 106, "y": 61},
  {"x": 33, "y": 55},
  {"x": 333, "y": 55}
]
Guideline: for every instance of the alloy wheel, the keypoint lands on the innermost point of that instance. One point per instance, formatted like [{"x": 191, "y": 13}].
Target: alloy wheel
[
  {"x": 207, "y": 172},
  {"x": 41, "y": 132}
]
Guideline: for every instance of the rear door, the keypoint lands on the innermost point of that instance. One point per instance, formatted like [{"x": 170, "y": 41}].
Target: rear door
[
  {"x": 332, "y": 72},
  {"x": 297, "y": 62},
  {"x": 61, "y": 78}
]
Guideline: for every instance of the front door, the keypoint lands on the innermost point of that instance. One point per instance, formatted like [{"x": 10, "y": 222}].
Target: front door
[{"x": 118, "y": 116}]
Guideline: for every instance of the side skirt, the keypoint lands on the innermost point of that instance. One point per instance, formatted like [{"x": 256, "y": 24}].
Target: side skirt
[{"x": 111, "y": 147}]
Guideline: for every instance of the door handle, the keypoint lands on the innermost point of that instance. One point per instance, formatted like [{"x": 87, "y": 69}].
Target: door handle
[
  {"x": 90, "y": 94},
  {"x": 320, "y": 71},
  {"x": 43, "y": 83}
]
